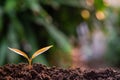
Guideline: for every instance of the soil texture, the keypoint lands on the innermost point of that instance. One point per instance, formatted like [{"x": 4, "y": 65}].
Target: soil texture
[{"x": 42, "y": 72}]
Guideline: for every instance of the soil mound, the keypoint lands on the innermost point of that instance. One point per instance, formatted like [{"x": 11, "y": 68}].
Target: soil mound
[{"x": 42, "y": 72}]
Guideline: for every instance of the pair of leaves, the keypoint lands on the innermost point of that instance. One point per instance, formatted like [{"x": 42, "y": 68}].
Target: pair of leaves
[{"x": 40, "y": 51}]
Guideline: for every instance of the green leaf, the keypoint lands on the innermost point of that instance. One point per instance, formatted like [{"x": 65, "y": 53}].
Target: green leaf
[
  {"x": 33, "y": 5},
  {"x": 59, "y": 37},
  {"x": 1, "y": 19},
  {"x": 17, "y": 25},
  {"x": 12, "y": 42},
  {"x": 33, "y": 42},
  {"x": 10, "y": 5},
  {"x": 72, "y": 3},
  {"x": 99, "y": 4},
  {"x": 3, "y": 51}
]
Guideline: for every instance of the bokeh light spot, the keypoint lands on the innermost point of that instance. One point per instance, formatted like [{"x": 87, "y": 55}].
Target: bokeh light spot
[
  {"x": 85, "y": 14},
  {"x": 100, "y": 15}
]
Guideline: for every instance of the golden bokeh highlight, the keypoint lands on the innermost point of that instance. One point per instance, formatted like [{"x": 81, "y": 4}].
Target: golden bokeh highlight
[
  {"x": 90, "y": 2},
  {"x": 85, "y": 14},
  {"x": 106, "y": 3},
  {"x": 100, "y": 15}
]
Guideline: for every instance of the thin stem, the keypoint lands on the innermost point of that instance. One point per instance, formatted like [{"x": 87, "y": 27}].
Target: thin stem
[{"x": 30, "y": 63}]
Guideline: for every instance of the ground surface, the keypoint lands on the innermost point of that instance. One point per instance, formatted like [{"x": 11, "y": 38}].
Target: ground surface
[{"x": 41, "y": 72}]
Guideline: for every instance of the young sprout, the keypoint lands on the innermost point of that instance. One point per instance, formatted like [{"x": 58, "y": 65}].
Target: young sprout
[{"x": 40, "y": 51}]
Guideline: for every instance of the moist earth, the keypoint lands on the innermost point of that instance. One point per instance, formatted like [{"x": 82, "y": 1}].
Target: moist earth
[{"x": 41, "y": 72}]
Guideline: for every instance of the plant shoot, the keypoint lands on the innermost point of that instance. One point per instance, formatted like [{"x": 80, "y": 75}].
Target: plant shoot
[{"x": 40, "y": 51}]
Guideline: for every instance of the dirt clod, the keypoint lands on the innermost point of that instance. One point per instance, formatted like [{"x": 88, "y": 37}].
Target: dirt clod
[{"x": 42, "y": 72}]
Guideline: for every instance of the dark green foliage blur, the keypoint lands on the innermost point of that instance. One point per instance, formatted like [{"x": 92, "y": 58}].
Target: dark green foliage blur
[
  {"x": 32, "y": 24},
  {"x": 29, "y": 25}
]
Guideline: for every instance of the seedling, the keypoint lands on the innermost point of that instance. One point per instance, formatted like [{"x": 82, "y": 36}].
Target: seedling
[{"x": 40, "y": 51}]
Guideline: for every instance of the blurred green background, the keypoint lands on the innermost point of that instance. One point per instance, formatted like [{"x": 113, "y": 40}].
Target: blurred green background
[{"x": 82, "y": 31}]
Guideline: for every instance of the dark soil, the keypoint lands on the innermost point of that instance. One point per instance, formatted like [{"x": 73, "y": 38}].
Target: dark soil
[{"x": 41, "y": 72}]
